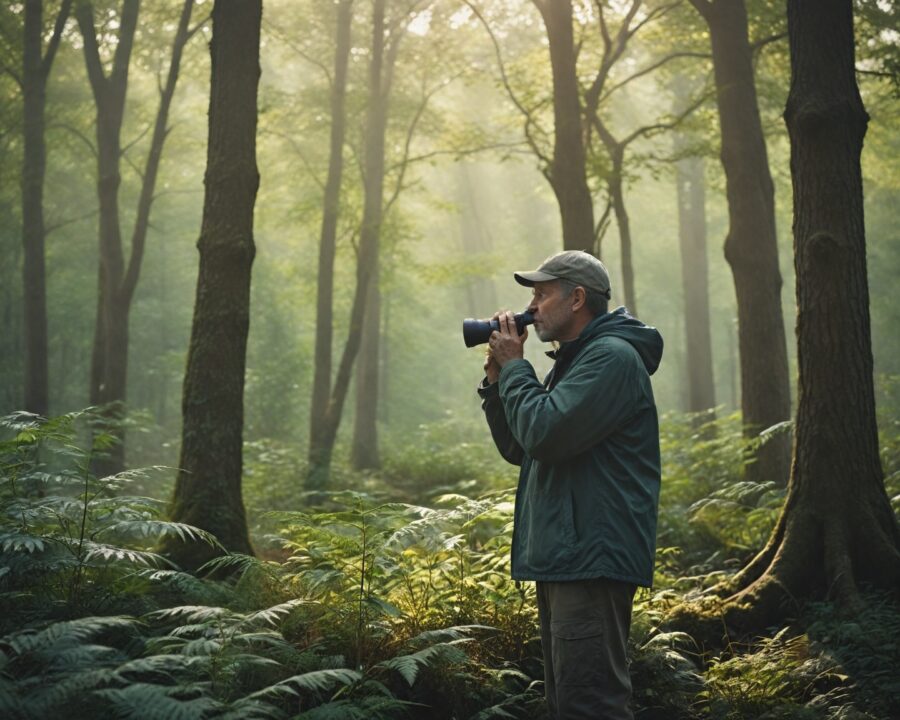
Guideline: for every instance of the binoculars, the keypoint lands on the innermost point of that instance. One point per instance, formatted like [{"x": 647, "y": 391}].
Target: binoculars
[{"x": 476, "y": 332}]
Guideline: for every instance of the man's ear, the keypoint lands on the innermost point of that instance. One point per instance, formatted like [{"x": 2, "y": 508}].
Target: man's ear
[{"x": 579, "y": 297}]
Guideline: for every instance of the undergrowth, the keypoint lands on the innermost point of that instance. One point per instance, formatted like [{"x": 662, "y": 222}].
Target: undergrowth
[{"x": 373, "y": 607}]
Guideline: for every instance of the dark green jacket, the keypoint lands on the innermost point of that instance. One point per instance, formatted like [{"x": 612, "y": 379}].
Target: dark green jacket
[{"x": 587, "y": 440}]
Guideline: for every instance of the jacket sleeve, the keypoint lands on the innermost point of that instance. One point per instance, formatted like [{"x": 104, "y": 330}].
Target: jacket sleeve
[
  {"x": 506, "y": 443},
  {"x": 597, "y": 395}
]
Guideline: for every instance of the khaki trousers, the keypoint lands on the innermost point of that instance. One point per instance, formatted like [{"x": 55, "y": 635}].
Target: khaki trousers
[{"x": 584, "y": 635}]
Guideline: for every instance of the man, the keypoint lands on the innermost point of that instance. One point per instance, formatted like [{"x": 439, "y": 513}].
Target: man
[{"x": 587, "y": 440}]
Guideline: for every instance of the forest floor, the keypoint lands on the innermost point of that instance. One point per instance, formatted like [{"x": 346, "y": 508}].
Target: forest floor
[{"x": 390, "y": 600}]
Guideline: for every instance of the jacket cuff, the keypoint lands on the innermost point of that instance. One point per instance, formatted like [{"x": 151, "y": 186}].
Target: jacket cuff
[{"x": 488, "y": 390}]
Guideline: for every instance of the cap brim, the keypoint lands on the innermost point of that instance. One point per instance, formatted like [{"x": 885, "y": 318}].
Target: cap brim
[{"x": 535, "y": 276}]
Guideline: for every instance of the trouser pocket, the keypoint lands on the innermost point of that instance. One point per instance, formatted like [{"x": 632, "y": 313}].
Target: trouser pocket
[{"x": 578, "y": 652}]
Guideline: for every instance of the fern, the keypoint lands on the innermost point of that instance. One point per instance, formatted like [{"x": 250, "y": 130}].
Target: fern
[
  {"x": 408, "y": 666},
  {"x": 144, "y": 701}
]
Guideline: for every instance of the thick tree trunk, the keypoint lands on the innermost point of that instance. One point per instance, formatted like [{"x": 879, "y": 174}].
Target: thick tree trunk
[
  {"x": 35, "y": 71},
  {"x": 751, "y": 246},
  {"x": 322, "y": 444},
  {"x": 208, "y": 490},
  {"x": 328, "y": 240},
  {"x": 837, "y": 532},
  {"x": 567, "y": 172},
  {"x": 691, "y": 188}
]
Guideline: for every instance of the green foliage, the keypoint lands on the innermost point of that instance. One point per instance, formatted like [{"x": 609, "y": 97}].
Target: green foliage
[{"x": 66, "y": 536}]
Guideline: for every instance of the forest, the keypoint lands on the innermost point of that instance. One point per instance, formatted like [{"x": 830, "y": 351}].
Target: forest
[{"x": 244, "y": 469}]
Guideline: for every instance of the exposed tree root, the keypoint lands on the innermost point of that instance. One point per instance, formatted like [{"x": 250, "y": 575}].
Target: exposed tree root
[{"x": 806, "y": 559}]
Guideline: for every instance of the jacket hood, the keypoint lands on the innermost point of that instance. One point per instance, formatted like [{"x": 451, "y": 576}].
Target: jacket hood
[{"x": 643, "y": 338}]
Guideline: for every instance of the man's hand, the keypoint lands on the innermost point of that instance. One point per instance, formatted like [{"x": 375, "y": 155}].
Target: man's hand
[{"x": 505, "y": 344}]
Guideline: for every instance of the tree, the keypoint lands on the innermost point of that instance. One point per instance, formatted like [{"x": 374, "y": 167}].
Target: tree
[
  {"x": 836, "y": 533},
  {"x": 566, "y": 170},
  {"x": 208, "y": 489},
  {"x": 691, "y": 190},
  {"x": 35, "y": 71},
  {"x": 323, "y": 435},
  {"x": 598, "y": 94},
  {"x": 751, "y": 247},
  {"x": 690, "y": 182},
  {"x": 328, "y": 239},
  {"x": 117, "y": 281}
]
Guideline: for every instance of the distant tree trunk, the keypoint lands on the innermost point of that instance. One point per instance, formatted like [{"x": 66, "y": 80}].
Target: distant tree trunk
[
  {"x": 35, "y": 71},
  {"x": 691, "y": 186},
  {"x": 837, "y": 532},
  {"x": 208, "y": 490},
  {"x": 364, "y": 448},
  {"x": 117, "y": 281},
  {"x": 617, "y": 196},
  {"x": 322, "y": 445},
  {"x": 567, "y": 173},
  {"x": 328, "y": 239},
  {"x": 751, "y": 246}
]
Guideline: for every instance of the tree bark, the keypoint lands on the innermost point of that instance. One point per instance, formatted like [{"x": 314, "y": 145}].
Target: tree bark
[
  {"x": 364, "y": 448},
  {"x": 837, "y": 532},
  {"x": 328, "y": 239},
  {"x": 322, "y": 443},
  {"x": 567, "y": 173},
  {"x": 208, "y": 490},
  {"x": 751, "y": 247},
  {"x": 116, "y": 280},
  {"x": 691, "y": 188},
  {"x": 35, "y": 71},
  {"x": 617, "y": 196}
]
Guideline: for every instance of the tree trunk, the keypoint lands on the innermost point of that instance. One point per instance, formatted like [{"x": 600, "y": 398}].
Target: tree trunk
[
  {"x": 117, "y": 282},
  {"x": 208, "y": 490},
  {"x": 567, "y": 173},
  {"x": 691, "y": 187},
  {"x": 322, "y": 445},
  {"x": 328, "y": 239},
  {"x": 837, "y": 532},
  {"x": 364, "y": 449},
  {"x": 617, "y": 195},
  {"x": 751, "y": 246},
  {"x": 35, "y": 71}
]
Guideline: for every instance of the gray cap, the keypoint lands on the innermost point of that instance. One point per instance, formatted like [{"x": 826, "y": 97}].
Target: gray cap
[{"x": 576, "y": 266}]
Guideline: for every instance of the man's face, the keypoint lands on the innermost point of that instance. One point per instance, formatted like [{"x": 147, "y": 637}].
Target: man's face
[{"x": 552, "y": 312}]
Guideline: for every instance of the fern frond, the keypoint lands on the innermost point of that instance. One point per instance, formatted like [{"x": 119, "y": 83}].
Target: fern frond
[
  {"x": 144, "y": 701},
  {"x": 190, "y": 613},
  {"x": 408, "y": 666},
  {"x": 67, "y": 632},
  {"x": 157, "y": 529},
  {"x": 371, "y": 707},
  {"x": 448, "y": 634},
  {"x": 112, "y": 554},
  {"x": 230, "y": 562},
  {"x": 21, "y": 542},
  {"x": 313, "y": 681},
  {"x": 271, "y": 616},
  {"x": 164, "y": 666}
]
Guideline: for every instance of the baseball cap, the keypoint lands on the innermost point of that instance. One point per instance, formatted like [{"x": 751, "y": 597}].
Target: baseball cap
[{"x": 575, "y": 266}]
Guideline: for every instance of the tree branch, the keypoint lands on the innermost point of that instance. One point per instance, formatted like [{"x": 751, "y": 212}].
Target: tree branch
[
  {"x": 77, "y": 133},
  {"x": 650, "y": 68},
  {"x": 529, "y": 119},
  {"x": 322, "y": 67},
  {"x": 61, "y": 18},
  {"x": 762, "y": 42},
  {"x": 673, "y": 123},
  {"x": 62, "y": 223}
]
